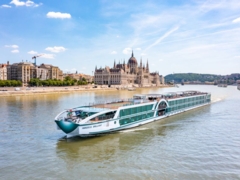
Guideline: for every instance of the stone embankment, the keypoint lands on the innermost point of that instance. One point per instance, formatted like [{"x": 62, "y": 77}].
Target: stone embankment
[{"x": 13, "y": 91}]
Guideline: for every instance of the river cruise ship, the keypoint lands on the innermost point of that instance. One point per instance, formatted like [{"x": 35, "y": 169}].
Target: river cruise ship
[{"x": 124, "y": 114}]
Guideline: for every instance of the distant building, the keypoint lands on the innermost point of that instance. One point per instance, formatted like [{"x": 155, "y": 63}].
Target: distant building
[
  {"x": 24, "y": 71},
  {"x": 42, "y": 73},
  {"x": 88, "y": 78},
  {"x": 53, "y": 71},
  {"x": 3, "y": 71},
  {"x": 79, "y": 76},
  {"x": 162, "y": 80},
  {"x": 130, "y": 73},
  {"x": 72, "y": 75}
]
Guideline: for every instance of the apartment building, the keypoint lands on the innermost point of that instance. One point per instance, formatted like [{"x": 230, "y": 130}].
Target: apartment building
[
  {"x": 24, "y": 71},
  {"x": 3, "y": 71}
]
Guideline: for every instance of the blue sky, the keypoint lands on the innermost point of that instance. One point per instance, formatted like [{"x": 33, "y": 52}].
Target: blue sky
[{"x": 174, "y": 36}]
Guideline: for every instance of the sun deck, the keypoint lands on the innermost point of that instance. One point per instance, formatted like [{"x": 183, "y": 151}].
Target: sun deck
[
  {"x": 176, "y": 95},
  {"x": 147, "y": 98}
]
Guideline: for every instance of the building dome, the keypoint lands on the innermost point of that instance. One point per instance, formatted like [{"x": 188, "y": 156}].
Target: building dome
[{"x": 132, "y": 60}]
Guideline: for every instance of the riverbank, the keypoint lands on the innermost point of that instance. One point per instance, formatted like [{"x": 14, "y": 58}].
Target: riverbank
[{"x": 22, "y": 91}]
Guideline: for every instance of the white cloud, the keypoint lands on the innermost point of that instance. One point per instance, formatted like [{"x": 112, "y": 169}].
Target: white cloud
[
  {"x": 58, "y": 15},
  {"x": 138, "y": 49},
  {"x": 143, "y": 54},
  {"x": 12, "y": 46},
  {"x": 160, "y": 60},
  {"x": 15, "y": 51},
  {"x": 6, "y": 6},
  {"x": 56, "y": 49},
  {"x": 161, "y": 38},
  {"x": 28, "y": 3},
  {"x": 236, "y": 20},
  {"x": 32, "y": 52},
  {"x": 114, "y": 52},
  {"x": 36, "y": 5},
  {"x": 127, "y": 51},
  {"x": 17, "y": 3},
  {"x": 48, "y": 56}
]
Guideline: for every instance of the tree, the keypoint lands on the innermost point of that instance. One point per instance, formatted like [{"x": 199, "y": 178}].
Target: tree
[
  {"x": 10, "y": 83},
  {"x": 75, "y": 80},
  {"x": 67, "y": 78}
]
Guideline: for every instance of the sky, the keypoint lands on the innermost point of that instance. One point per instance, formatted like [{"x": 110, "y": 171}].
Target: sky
[{"x": 180, "y": 36}]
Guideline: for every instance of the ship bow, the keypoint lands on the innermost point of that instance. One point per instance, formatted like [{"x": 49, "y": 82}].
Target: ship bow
[{"x": 66, "y": 126}]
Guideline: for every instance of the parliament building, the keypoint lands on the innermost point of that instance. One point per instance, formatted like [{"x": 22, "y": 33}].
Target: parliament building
[{"x": 128, "y": 74}]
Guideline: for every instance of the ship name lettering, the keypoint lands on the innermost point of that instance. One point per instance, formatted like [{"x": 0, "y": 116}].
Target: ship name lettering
[
  {"x": 87, "y": 127},
  {"x": 97, "y": 125}
]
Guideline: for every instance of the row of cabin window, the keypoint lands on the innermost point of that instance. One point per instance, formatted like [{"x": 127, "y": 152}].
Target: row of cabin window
[
  {"x": 180, "y": 101},
  {"x": 186, "y": 105},
  {"x": 190, "y": 103},
  {"x": 129, "y": 111},
  {"x": 105, "y": 116},
  {"x": 135, "y": 118}
]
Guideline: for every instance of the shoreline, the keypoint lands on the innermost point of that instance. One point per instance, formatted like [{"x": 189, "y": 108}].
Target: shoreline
[{"x": 23, "y": 91}]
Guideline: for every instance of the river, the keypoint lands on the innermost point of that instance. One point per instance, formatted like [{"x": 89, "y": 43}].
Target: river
[{"x": 200, "y": 144}]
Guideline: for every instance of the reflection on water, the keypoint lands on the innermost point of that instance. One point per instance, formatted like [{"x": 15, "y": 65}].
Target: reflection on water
[
  {"x": 200, "y": 144},
  {"x": 101, "y": 148}
]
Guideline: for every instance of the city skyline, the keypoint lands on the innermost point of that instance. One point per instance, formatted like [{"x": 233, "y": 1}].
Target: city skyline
[{"x": 176, "y": 37}]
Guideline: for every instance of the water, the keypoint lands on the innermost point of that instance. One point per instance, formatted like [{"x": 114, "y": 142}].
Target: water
[{"x": 200, "y": 144}]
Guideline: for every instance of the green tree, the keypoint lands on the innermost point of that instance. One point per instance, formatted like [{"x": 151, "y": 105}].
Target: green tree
[{"x": 67, "y": 78}]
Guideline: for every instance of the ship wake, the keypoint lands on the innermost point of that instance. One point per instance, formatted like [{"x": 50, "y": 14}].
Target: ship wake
[
  {"x": 133, "y": 130},
  {"x": 216, "y": 100}
]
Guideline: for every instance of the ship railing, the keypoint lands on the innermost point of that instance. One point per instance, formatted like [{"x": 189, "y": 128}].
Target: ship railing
[
  {"x": 61, "y": 116},
  {"x": 109, "y": 102}
]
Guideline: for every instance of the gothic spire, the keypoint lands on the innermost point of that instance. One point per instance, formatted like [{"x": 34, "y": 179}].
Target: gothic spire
[
  {"x": 132, "y": 53},
  {"x": 147, "y": 67},
  {"x": 114, "y": 66}
]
